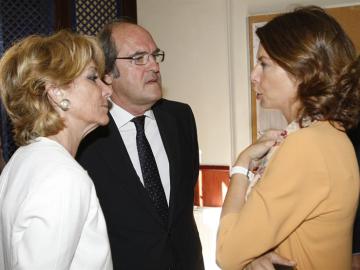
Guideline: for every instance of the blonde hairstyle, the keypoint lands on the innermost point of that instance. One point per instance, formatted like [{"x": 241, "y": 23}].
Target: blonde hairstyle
[{"x": 34, "y": 63}]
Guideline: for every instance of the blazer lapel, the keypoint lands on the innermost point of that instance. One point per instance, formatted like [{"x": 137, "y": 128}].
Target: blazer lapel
[{"x": 169, "y": 135}]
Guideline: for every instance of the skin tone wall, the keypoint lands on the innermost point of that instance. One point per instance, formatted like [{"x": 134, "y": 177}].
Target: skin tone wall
[
  {"x": 207, "y": 63},
  {"x": 195, "y": 70}
]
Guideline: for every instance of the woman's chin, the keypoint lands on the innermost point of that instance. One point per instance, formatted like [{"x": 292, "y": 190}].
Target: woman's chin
[
  {"x": 104, "y": 121},
  {"x": 265, "y": 105}
]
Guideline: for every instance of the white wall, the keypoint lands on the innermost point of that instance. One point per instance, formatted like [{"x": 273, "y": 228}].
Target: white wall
[{"x": 207, "y": 63}]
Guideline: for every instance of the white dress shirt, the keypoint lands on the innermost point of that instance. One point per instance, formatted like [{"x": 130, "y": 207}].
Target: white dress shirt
[
  {"x": 50, "y": 217},
  {"x": 127, "y": 131}
]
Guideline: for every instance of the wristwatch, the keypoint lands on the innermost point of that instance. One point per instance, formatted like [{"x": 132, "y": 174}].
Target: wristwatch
[{"x": 241, "y": 170}]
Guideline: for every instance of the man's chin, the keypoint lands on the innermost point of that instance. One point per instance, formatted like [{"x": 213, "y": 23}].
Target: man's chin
[
  {"x": 153, "y": 84},
  {"x": 154, "y": 90}
]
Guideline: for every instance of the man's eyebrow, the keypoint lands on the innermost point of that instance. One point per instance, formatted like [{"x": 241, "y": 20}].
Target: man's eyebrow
[
  {"x": 138, "y": 53},
  {"x": 144, "y": 52}
]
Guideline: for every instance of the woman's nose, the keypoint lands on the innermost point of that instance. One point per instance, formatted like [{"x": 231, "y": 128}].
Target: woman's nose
[
  {"x": 254, "y": 75},
  {"x": 106, "y": 89}
]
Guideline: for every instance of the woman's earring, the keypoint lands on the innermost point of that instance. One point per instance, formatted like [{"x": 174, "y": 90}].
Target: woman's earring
[{"x": 64, "y": 104}]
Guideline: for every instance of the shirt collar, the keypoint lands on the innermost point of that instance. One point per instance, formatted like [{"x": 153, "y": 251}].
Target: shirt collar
[{"x": 123, "y": 117}]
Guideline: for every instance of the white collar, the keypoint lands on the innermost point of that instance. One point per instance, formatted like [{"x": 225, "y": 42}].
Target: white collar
[{"x": 123, "y": 117}]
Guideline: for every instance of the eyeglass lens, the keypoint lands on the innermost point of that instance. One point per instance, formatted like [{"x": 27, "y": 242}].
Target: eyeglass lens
[{"x": 144, "y": 59}]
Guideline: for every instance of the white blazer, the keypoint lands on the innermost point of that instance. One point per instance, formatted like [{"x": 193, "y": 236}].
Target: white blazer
[{"x": 50, "y": 217}]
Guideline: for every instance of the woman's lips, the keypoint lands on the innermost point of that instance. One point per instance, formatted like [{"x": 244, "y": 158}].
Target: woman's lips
[
  {"x": 258, "y": 96},
  {"x": 106, "y": 105}
]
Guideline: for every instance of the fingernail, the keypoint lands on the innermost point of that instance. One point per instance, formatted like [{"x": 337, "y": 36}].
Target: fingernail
[{"x": 283, "y": 133}]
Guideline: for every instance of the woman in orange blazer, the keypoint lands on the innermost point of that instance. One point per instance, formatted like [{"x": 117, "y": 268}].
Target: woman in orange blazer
[{"x": 295, "y": 191}]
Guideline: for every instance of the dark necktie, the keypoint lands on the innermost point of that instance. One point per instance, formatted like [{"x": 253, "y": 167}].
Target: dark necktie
[{"x": 149, "y": 169}]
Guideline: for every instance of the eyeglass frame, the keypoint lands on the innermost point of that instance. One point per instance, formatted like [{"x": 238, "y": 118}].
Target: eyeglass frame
[{"x": 146, "y": 56}]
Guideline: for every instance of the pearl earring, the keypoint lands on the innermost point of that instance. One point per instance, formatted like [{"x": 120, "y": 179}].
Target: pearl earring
[{"x": 64, "y": 104}]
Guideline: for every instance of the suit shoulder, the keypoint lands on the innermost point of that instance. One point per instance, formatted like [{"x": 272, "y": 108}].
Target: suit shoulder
[{"x": 172, "y": 106}]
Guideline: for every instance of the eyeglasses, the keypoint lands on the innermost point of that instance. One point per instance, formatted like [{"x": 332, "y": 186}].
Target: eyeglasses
[{"x": 143, "y": 59}]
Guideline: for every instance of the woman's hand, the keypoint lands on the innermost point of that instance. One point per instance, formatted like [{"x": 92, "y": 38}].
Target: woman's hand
[
  {"x": 258, "y": 149},
  {"x": 267, "y": 261}
]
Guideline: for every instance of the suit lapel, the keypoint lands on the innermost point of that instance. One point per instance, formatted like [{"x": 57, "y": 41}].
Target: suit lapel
[
  {"x": 114, "y": 153},
  {"x": 169, "y": 135}
]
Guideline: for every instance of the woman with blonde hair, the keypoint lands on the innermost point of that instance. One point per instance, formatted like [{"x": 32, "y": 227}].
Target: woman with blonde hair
[
  {"x": 301, "y": 200},
  {"x": 50, "y": 217}
]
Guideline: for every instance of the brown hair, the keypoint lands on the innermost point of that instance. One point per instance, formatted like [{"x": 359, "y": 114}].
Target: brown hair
[
  {"x": 31, "y": 64},
  {"x": 311, "y": 45},
  {"x": 108, "y": 45}
]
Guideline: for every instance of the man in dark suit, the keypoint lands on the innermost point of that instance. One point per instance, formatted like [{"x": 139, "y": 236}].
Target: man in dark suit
[{"x": 140, "y": 238}]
